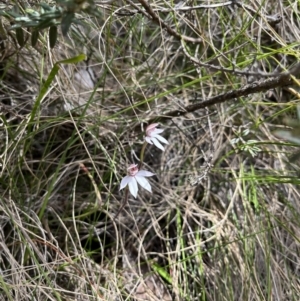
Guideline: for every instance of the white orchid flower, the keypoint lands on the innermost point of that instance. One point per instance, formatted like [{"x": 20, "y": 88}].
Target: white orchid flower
[
  {"x": 134, "y": 177},
  {"x": 153, "y": 137}
]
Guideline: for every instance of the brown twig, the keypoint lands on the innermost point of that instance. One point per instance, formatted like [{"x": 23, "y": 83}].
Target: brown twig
[
  {"x": 271, "y": 19},
  {"x": 123, "y": 204},
  {"x": 156, "y": 19},
  {"x": 283, "y": 79}
]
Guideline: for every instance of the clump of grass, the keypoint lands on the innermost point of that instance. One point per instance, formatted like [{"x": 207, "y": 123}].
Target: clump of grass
[{"x": 70, "y": 127}]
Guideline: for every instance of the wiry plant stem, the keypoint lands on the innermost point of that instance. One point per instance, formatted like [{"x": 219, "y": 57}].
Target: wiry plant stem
[
  {"x": 142, "y": 155},
  {"x": 124, "y": 203},
  {"x": 127, "y": 189}
]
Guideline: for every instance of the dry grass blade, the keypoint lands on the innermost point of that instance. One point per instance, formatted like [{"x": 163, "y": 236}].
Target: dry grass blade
[{"x": 220, "y": 78}]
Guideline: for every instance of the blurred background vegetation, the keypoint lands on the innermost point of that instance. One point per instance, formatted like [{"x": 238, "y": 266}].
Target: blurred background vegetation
[{"x": 79, "y": 83}]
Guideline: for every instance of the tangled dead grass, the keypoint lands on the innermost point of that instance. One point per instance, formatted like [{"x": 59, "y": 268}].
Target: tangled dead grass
[{"x": 234, "y": 236}]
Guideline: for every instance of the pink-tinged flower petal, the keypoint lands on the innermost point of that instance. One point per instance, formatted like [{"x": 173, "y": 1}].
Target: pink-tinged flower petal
[
  {"x": 153, "y": 137},
  {"x": 133, "y": 187},
  {"x": 145, "y": 173},
  {"x": 125, "y": 182},
  {"x": 144, "y": 183},
  {"x": 156, "y": 131},
  {"x": 132, "y": 166},
  {"x": 132, "y": 169},
  {"x": 157, "y": 144},
  {"x": 151, "y": 126}
]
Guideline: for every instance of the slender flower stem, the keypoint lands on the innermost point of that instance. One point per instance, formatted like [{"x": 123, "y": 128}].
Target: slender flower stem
[
  {"x": 124, "y": 203},
  {"x": 142, "y": 155}
]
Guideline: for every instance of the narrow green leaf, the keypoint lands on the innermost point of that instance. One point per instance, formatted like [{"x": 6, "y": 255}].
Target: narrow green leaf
[
  {"x": 20, "y": 36},
  {"x": 15, "y": 26},
  {"x": 49, "y": 80},
  {"x": 45, "y": 6},
  {"x": 32, "y": 24},
  {"x": 73, "y": 60},
  {"x": 52, "y": 15},
  {"x": 42, "y": 94},
  {"x": 11, "y": 13},
  {"x": 32, "y": 12},
  {"x": 46, "y": 23},
  {"x": 22, "y": 19},
  {"x": 162, "y": 272},
  {"x": 66, "y": 22},
  {"x": 34, "y": 37},
  {"x": 52, "y": 36}
]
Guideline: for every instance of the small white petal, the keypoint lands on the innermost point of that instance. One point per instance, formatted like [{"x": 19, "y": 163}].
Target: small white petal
[
  {"x": 145, "y": 173},
  {"x": 125, "y": 181},
  {"x": 157, "y": 144},
  {"x": 133, "y": 187},
  {"x": 144, "y": 183},
  {"x": 148, "y": 139},
  {"x": 162, "y": 139}
]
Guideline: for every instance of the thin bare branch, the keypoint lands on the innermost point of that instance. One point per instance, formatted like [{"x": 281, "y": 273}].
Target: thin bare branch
[
  {"x": 156, "y": 19},
  {"x": 281, "y": 80}
]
